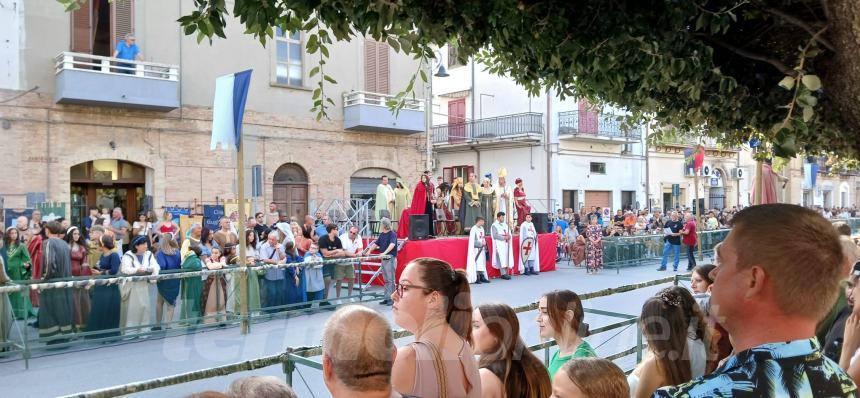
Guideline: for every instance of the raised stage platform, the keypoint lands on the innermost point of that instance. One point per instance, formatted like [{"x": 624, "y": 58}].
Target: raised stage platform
[{"x": 453, "y": 250}]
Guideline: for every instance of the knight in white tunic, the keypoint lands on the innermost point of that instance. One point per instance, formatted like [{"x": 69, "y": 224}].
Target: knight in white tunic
[
  {"x": 503, "y": 250},
  {"x": 476, "y": 257},
  {"x": 529, "y": 253}
]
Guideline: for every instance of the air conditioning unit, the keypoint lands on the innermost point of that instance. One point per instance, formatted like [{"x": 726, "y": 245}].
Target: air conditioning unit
[
  {"x": 739, "y": 173},
  {"x": 706, "y": 170}
]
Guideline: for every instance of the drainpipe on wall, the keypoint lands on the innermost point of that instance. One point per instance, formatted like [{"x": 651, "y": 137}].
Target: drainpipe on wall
[
  {"x": 548, "y": 152},
  {"x": 647, "y": 169}
]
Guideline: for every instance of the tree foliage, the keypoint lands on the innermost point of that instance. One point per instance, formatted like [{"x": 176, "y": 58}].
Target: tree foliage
[{"x": 783, "y": 71}]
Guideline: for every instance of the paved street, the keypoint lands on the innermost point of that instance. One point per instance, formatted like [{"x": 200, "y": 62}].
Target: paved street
[{"x": 70, "y": 372}]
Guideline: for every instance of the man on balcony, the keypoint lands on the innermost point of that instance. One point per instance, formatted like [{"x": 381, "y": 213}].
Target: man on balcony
[{"x": 127, "y": 49}]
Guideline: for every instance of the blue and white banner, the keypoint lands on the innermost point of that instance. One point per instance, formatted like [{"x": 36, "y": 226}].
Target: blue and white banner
[{"x": 231, "y": 92}]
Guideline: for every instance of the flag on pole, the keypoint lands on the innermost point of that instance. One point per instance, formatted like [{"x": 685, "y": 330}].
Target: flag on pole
[{"x": 231, "y": 91}]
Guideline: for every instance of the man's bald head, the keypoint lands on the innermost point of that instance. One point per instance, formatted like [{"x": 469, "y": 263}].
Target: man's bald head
[{"x": 359, "y": 348}]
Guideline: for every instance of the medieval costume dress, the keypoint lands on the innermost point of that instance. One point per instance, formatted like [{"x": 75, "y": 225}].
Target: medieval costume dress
[
  {"x": 476, "y": 257},
  {"x": 504, "y": 199},
  {"x": 214, "y": 295},
  {"x": 520, "y": 202},
  {"x": 228, "y": 242},
  {"x": 295, "y": 292},
  {"x": 35, "y": 247},
  {"x": 422, "y": 203},
  {"x": 105, "y": 312},
  {"x": 503, "y": 249},
  {"x": 385, "y": 201},
  {"x": 488, "y": 201},
  {"x": 168, "y": 290},
  {"x": 454, "y": 203},
  {"x": 81, "y": 296},
  {"x": 16, "y": 257},
  {"x": 529, "y": 253},
  {"x": 6, "y": 317},
  {"x": 136, "y": 303},
  {"x": 402, "y": 198},
  {"x": 192, "y": 288},
  {"x": 471, "y": 205},
  {"x": 56, "y": 311}
]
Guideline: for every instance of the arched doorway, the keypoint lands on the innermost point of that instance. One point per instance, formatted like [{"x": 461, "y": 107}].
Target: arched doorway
[
  {"x": 108, "y": 183},
  {"x": 290, "y": 190}
]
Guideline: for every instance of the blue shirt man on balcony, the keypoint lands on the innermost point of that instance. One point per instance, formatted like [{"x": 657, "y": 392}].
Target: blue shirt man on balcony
[{"x": 127, "y": 49}]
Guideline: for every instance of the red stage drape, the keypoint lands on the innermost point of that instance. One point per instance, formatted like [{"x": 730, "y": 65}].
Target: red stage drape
[{"x": 453, "y": 251}]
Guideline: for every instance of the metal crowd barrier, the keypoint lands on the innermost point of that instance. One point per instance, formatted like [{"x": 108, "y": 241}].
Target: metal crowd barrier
[
  {"x": 624, "y": 251},
  {"x": 21, "y": 341},
  {"x": 304, "y": 355}
]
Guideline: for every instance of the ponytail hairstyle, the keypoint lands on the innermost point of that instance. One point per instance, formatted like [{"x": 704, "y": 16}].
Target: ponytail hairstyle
[
  {"x": 453, "y": 285},
  {"x": 522, "y": 373},
  {"x": 558, "y": 302}
]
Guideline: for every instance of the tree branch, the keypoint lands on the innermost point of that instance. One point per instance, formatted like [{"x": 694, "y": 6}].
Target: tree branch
[
  {"x": 751, "y": 55},
  {"x": 803, "y": 25}
]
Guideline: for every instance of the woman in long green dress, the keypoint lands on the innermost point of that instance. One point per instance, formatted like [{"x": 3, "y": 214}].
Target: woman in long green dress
[
  {"x": 192, "y": 287},
  {"x": 17, "y": 261},
  {"x": 488, "y": 200}
]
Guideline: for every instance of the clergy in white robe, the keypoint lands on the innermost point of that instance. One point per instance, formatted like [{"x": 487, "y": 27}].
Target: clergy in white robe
[
  {"x": 505, "y": 198},
  {"x": 529, "y": 253},
  {"x": 384, "y": 200},
  {"x": 476, "y": 257},
  {"x": 503, "y": 248}
]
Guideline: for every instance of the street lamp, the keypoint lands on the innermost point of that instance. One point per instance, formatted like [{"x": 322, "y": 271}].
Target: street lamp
[{"x": 434, "y": 64}]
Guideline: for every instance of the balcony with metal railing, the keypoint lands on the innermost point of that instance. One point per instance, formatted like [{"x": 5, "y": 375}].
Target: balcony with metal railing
[
  {"x": 366, "y": 111},
  {"x": 87, "y": 79},
  {"x": 520, "y": 127},
  {"x": 599, "y": 127},
  {"x": 709, "y": 143}
]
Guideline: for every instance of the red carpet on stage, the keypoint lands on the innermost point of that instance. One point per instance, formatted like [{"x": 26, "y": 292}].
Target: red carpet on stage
[{"x": 453, "y": 251}]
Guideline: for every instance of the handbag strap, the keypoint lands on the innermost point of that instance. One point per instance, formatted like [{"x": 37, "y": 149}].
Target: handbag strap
[{"x": 441, "y": 376}]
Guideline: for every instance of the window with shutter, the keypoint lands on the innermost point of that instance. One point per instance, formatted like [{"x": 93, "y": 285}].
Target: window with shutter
[
  {"x": 382, "y": 69},
  {"x": 122, "y": 20},
  {"x": 376, "y": 67},
  {"x": 82, "y": 28},
  {"x": 370, "y": 65},
  {"x": 448, "y": 174}
]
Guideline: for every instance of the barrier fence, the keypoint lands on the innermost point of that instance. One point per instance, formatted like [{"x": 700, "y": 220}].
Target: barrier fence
[
  {"x": 25, "y": 342},
  {"x": 295, "y": 356},
  {"x": 622, "y": 251}
]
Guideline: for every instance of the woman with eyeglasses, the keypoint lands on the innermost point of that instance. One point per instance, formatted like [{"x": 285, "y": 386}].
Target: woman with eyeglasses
[{"x": 432, "y": 300}]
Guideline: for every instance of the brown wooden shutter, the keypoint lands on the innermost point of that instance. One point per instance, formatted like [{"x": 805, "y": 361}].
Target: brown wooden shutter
[
  {"x": 382, "y": 68},
  {"x": 370, "y": 72},
  {"x": 122, "y": 21},
  {"x": 82, "y": 29}
]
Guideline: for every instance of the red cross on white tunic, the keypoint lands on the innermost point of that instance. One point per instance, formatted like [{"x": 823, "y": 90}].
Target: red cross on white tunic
[{"x": 527, "y": 248}]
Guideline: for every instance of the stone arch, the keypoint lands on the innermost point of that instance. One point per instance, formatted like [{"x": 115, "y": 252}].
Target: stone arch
[{"x": 290, "y": 189}]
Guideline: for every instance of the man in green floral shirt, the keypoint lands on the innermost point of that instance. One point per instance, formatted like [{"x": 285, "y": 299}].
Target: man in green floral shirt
[{"x": 778, "y": 275}]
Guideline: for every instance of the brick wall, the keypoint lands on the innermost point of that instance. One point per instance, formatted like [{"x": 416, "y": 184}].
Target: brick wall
[{"x": 174, "y": 146}]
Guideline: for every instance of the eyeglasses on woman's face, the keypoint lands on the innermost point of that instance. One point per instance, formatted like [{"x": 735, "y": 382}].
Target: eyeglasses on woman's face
[{"x": 402, "y": 287}]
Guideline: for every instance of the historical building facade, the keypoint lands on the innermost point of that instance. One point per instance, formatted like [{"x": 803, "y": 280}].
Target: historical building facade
[{"x": 82, "y": 128}]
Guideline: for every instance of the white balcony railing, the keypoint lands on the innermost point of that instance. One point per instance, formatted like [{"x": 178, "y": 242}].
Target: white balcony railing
[
  {"x": 115, "y": 66},
  {"x": 353, "y": 98}
]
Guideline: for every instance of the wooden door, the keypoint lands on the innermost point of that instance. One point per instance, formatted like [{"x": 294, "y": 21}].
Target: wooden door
[
  {"x": 292, "y": 199},
  {"x": 457, "y": 120}
]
